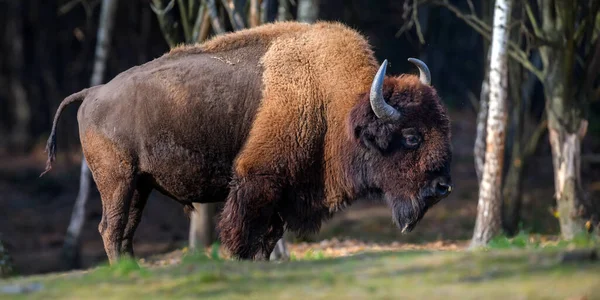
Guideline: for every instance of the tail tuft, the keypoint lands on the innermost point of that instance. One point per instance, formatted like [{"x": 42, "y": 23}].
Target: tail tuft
[{"x": 51, "y": 150}]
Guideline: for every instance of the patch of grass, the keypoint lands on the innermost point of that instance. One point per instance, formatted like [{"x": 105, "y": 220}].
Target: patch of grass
[
  {"x": 492, "y": 274},
  {"x": 314, "y": 255},
  {"x": 525, "y": 240},
  {"x": 124, "y": 267}
]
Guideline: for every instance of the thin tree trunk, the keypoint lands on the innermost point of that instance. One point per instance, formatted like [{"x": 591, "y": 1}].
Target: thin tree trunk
[
  {"x": 489, "y": 214},
  {"x": 6, "y": 264},
  {"x": 22, "y": 109},
  {"x": 283, "y": 12},
  {"x": 217, "y": 24},
  {"x": 202, "y": 226},
  {"x": 268, "y": 11},
  {"x": 71, "y": 246},
  {"x": 308, "y": 11},
  {"x": 525, "y": 142},
  {"x": 254, "y": 13}
]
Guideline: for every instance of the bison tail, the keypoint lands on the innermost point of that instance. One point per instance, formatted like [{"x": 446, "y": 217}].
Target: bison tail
[{"x": 51, "y": 144}]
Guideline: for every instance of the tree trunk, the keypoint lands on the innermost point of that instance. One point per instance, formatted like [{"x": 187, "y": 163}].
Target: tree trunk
[
  {"x": 525, "y": 141},
  {"x": 71, "y": 249},
  {"x": 202, "y": 226},
  {"x": 21, "y": 107},
  {"x": 269, "y": 11},
  {"x": 283, "y": 13},
  {"x": 489, "y": 214},
  {"x": 254, "y": 18},
  {"x": 308, "y": 11},
  {"x": 479, "y": 148},
  {"x": 566, "y": 124},
  {"x": 6, "y": 265},
  {"x": 484, "y": 98},
  {"x": 566, "y": 160},
  {"x": 566, "y": 131}
]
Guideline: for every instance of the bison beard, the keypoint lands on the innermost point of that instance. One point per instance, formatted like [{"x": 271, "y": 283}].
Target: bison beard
[{"x": 284, "y": 133}]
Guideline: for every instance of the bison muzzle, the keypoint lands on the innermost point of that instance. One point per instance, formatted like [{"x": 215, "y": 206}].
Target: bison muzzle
[{"x": 287, "y": 123}]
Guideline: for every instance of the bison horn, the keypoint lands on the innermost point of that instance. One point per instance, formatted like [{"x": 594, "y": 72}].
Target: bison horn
[
  {"x": 381, "y": 109},
  {"x": 424, "y": 74}
]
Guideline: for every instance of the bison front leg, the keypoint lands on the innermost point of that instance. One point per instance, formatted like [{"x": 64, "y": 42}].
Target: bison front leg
[{"x": 249, "y": 226}]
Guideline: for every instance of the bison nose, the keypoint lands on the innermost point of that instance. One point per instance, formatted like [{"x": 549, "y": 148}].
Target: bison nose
[{"x": 442, "y": 187}]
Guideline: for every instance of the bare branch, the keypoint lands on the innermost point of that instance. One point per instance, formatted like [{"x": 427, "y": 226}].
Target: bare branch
[
  {"x": 166, "y": 22},
  {"x": 479, "y": 26},
  {"x": 161, "y": 12},
  {"x": 184, "y": 21},
  {"x": 254, "y": 13},
  {"x": 205, "y": 28},
  {"x": 471, "y": 7},
  {"x": 415, "y": 18},
  {"x": 533, "y": 141},
  {"x": 214, "y": 16},
  {"x": 234, "y": 16},
  {"x": 533, "y": 20},
  {"x": 198, "y": 23}
]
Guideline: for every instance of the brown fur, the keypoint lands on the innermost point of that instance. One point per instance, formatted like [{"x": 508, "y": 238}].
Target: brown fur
[{"x": 275, "y": 119}]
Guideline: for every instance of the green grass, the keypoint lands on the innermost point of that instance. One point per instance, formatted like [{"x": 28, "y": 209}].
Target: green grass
[
  {"x": 526, "y": 240},
  {"x": 516, "y": 273}
]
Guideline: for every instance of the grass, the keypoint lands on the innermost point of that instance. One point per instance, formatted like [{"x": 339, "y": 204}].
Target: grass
[{"x": 515, "y": 272}]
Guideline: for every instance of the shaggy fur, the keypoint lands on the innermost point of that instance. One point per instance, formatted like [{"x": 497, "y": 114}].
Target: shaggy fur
[{"x": 275, "y": 120}]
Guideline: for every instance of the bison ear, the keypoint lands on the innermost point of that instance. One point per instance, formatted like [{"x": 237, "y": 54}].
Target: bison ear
[{"x": 373, "y": 137}]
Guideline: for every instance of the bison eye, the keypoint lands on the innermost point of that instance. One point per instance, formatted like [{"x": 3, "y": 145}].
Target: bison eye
[{"x": 411, "y": 138}]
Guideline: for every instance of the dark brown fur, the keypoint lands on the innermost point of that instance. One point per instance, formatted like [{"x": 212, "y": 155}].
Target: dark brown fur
[{"x": 274, "y": 120}]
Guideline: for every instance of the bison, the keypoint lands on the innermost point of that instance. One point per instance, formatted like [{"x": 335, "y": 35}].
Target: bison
[{"x": 286, "y": 122}]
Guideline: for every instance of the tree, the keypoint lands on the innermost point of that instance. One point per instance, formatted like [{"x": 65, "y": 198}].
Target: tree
[
  {"x": 6, "y": 267},
  {"x": 489, "y": 214},
  {"x": 70, "y": 252},
  {"x": 565, "y": 31}
]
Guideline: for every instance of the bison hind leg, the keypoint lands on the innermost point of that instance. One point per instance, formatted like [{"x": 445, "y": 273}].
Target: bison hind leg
[
  {"x": 136, "y": 207},
  {"x": 249, "y": 225}
]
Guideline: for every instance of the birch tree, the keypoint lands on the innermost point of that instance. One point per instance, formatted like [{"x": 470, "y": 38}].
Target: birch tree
[
  {"x": 70, "y": 252},
  {"x": 489, "y": 213}
]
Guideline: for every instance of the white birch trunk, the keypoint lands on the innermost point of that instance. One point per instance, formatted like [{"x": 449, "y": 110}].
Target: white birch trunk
[
  {"x": 71, "y": 245},
  {"x": 489, "y": 218}
]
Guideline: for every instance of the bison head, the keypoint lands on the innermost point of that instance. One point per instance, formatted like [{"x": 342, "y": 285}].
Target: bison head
[{"x": 400, "y": 137}]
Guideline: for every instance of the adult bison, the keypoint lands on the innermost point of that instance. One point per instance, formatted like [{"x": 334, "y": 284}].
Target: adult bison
[{"x": 287, "y": 122}]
